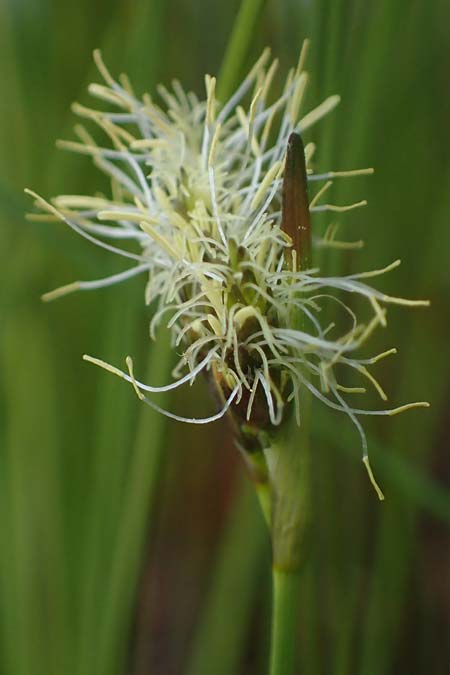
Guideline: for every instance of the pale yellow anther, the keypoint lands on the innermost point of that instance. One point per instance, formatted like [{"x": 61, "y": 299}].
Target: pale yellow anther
[
  {"x": 351, "y": 390},
  {"x": 267, "y": 128},
  {"x": 158, "y": 120},
  {"x": 162, "y": 199},
  {"x": 303, "y": 55},
  {"x": 104, "y": 72},
  {"x": 289, "y": 79},
  {"x": 158, "y": 237},
  {"x": 319, "y": 112},
  {"x": 213, "y": 145},
  {"x": 129, "y": 362},
  {"x": 44, "y": 205},
  {"x": 408, "y": 406},
  {"x": 210, "y": 83},
  {"x": 60, "y": 291},
  {"x": 378, "y": 310},
  {"x": 352, "y": 173},
  {"x": 243, "y": 314},
  {"x": 330, "y": 242},
  {"x": 372, "y": 479},
  {"x": 131, "y": 216},
  {"x": 373, "y": 380},
  {"x": 113, "y": 132},
  {"x": 81, "y": 148},
  {"x": 259, "y": 65},
  {"x": 269, "y": 78},
  {"x": 84, "y": 111},
  {"x": 347, "y": 207},
  {"x": 367, "y": 331},
  {"x": 139, "y": 205},
  {"x": 104, "y": 365},
  {"x": 126, "y": 84},
  {"x": 310, "y": 149},
  {"x": 388, "y": 352},
  {"x": 253, "y": 104},
  {"x": 405, "y": 301},
  {"x": 273, "y": 173},
  {"x": 118, "y": 132},
  {"x": 378, "y": 272},
  {"x": 148, "y": 143},
  {"x": 242, "y": 117},
  {"x": 322, "y": 191},
  {"x": 230, "y": 378},
  {"x": 297, "y": 97},
  {"x": 106, "y": 94},
  {"x": 81, "y": 202},
  {"x": 41, "y": 218},
  {"x": 324, "y": 379},
  {"x": 215, "y": 325},
  {"x": 84, "y": 135}
]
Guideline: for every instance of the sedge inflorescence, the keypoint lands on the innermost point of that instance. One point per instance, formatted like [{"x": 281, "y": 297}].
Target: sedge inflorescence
[{"x": 197, "y": 185}]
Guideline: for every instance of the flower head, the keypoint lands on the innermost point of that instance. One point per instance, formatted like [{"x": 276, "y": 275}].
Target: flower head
[{"x": 205, "y": 191}]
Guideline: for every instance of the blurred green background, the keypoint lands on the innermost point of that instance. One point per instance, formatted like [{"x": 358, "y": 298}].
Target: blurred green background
[{"x": 129, "y": 546}]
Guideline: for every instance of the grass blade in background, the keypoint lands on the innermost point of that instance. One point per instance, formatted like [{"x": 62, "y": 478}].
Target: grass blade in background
[
  {"x": 134, "y": 518},
  {"x": 223, "y": 631},
  {"x": 238, "y": 46},
  {"x": 33, "y": 542},
  {"x": 378, "y": 101}
]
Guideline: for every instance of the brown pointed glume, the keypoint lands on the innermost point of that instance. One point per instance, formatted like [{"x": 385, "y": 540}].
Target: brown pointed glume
[{"x": 295, "y": 217}]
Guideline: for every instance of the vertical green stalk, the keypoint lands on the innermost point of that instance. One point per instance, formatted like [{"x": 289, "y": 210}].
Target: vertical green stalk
[
  {"x": 284, "y": 621},
  {"x": 219, "y": 642},
  {"x": 237, "y": 46},
  {"x": 133, "y": 522}
]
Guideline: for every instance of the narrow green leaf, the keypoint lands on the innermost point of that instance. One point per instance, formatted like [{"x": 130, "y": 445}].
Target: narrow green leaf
[
  {"x": 223, "y": 630},
  {"x": 238, "y": 46},
  {"x": 134, "y": 519}
]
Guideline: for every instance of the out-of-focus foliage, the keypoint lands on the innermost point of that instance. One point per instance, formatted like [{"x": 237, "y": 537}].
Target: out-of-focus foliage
[{"x": 128, "y": 546}]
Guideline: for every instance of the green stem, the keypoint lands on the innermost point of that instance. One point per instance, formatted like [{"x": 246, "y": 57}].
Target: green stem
[
  {"x": 284, "y": 621},
  {"x": 288, "y": 466}
]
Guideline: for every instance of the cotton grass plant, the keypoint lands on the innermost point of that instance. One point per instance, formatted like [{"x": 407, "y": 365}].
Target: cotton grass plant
[{"x": 209, "y": 201}]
